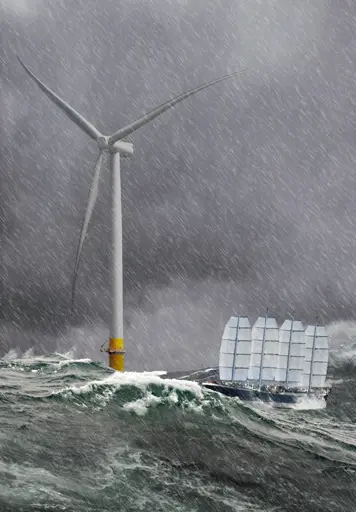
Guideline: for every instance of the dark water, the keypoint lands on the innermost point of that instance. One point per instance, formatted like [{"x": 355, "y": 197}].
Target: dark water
[{"x": 76, "y": 437}]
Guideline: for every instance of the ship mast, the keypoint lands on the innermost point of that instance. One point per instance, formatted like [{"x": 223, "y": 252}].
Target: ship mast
[
  {"x": 289, "y": 353},
  {"x": 312, "y": 357},
  {"x": 235, "y": 349},
  {"x": 263, "y": 348}
]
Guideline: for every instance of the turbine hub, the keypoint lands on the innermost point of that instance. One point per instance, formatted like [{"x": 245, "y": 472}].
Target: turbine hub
[
  {"x": 122, "y": 147},
  {"x": 103, "y": 142}
]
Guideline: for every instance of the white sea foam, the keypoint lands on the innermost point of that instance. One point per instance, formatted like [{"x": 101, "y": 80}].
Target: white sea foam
[
  {"x": 141, "y": 381},
  {"x": 310, "y": 403},
  {"x": 67, "y": 355},
  {"x": 67, "y": 362},
  {"x": 11, "y": 355},
  {"x": 141, "y": 405},
  {"x": 29, "y": 357}
]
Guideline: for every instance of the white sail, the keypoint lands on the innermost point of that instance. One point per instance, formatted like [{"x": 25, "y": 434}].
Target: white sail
[
  {"x": 316, "y": 357},
  {"x": 291, "y": 353},
  {"x": 235, "y": 349},
  {"x": 264, "y": 350}
]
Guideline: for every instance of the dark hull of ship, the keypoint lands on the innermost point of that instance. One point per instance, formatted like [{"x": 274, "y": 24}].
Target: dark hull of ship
[{"x": 286, "y": 399}]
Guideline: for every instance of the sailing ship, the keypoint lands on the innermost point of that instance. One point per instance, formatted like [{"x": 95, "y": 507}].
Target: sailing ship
[{"x": 282, "y": 365}]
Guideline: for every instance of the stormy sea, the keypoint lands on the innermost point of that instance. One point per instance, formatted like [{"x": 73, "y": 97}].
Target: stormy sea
[{"x": 75, "y": 436}]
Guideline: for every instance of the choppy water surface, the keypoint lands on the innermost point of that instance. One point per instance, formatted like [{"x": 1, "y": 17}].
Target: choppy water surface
[{"x": 74, "y": 436}]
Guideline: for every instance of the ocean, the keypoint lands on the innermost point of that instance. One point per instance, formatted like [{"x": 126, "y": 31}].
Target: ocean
[{"x": 75, "y": 436}]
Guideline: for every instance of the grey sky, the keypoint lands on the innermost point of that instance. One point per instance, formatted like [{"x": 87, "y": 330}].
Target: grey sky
[{"x": 239, "y": 198}]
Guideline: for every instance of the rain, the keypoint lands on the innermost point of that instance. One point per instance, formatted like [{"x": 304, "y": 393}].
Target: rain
[{"x": 237, "y": 199}]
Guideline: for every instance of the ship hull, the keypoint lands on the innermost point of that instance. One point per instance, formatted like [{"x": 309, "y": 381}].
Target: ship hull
[{"x": 286, "y": 399}]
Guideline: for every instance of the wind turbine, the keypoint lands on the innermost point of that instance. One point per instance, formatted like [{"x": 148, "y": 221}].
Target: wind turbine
[{"x": 115, "y": 146}]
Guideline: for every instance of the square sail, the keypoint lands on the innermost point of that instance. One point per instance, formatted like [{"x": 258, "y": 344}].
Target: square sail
[
  {"x": 291, "y": 353},
  {"x": 264, "y": 350},
  {"x": 235, "y": 350},
  {"x": 316, "y": 357}
]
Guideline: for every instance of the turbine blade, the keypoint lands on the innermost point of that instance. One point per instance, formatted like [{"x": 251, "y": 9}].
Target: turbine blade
[
  {"x": 123, "y": 132},
  {"x": 93, "y": 194},
  {"x": 77, "y": 118}
]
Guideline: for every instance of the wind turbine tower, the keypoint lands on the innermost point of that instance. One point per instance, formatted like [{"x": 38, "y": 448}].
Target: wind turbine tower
[{"x": 114, "y": 146}]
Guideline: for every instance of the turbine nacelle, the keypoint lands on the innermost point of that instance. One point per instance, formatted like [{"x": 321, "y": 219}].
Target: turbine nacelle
[{"x": 121, "y": 146}]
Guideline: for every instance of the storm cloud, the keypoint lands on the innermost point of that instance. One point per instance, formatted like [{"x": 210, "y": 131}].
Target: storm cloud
[{"x": 240, "y": 198}]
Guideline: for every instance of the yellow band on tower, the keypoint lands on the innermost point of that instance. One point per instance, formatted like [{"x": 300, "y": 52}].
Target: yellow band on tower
[{"x": 116, "y": 354}]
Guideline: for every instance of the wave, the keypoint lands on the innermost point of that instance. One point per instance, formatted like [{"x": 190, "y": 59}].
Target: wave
[
  {"x": 167, "y": 442},
  {"x": 136, "y": 392}
]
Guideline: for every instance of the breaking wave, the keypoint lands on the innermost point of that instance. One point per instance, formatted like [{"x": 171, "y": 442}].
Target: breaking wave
[{"x": 75, "y": 436}]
